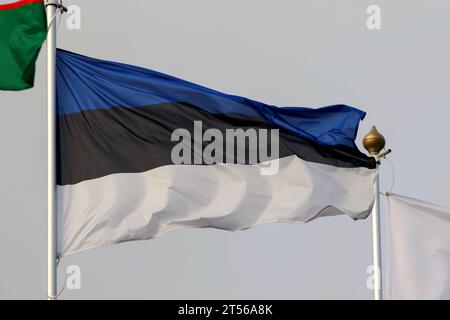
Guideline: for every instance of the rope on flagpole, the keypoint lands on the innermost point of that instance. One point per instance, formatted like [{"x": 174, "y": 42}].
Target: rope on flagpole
[
  {"x": 388, "y": 193},
  {"x": 59, "y": 293},
  {"x": 61, "y": 9}
]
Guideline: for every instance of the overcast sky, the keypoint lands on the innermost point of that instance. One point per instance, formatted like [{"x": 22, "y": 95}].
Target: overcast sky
[{"x": 304, "y": 53}]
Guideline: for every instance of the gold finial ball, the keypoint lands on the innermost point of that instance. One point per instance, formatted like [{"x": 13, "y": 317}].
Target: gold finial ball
[{"x": 374, "y": 141}]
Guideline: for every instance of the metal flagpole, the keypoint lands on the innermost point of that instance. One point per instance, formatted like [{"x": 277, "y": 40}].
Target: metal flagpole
[
  {"x": 374, "y": 143},
  {"x": 376, "y": 243},
  {"x": 51, "y": 7}
]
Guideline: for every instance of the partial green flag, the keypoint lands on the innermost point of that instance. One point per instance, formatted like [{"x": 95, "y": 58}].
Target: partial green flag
[{"x": 22, "y": 31}]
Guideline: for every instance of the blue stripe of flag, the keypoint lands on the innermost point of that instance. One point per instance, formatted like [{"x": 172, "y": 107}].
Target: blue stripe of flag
[{"x": 85, "y": 83}]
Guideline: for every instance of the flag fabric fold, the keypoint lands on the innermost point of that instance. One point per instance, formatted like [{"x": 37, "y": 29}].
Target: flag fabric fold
[
  {"x": 23, "y": 30},
  {"x": 141, "y": 153},
  {"x": 416, "y": 253}
]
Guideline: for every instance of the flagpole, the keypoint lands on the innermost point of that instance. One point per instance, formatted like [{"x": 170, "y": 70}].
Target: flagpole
[
  {"x": 50, "y": 8},
  {"x": 376, "y": 243},
  {"x": 374, "y": 143}
]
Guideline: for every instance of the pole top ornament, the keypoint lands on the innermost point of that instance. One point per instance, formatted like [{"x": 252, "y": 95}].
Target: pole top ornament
[{"x": 374, "y": 142}]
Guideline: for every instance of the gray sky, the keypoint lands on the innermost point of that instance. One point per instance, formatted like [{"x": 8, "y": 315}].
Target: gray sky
[{"x": 305, "y": 53}]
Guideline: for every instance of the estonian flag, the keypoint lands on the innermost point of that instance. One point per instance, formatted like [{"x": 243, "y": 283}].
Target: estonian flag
[{"x": 141, "y": 153}]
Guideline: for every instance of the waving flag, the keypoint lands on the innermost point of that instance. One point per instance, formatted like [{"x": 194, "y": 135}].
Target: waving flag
[
  {"x": 23, "y": 29},
  {"x": 141, "y": 153},
  {"x": 417, "y": 250}
]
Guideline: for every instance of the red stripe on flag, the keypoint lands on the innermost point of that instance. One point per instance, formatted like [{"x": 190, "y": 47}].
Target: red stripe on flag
[{"x": 17, "y": 4}]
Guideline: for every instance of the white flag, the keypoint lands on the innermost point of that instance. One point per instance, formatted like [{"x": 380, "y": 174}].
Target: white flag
[{"x": 417, "y": 252}]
